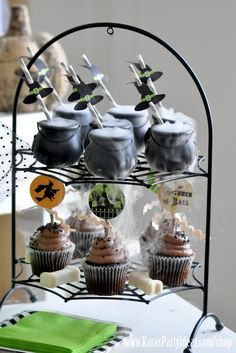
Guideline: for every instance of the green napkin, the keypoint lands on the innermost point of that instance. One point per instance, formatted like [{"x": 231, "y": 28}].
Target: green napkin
[{"x": 44, "y": 332}]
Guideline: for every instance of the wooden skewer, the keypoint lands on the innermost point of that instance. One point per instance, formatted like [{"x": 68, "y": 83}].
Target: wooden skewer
[
  {"x": 149, "y": 80},
  {"x": 51, "y": 218},
  {"x": 73, "y": 74},
  {"x": 66, "y": 68}
]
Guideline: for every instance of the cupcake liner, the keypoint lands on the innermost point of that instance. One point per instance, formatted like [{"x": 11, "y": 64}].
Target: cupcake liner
[
  {"x": 105, "y": 280},
  {"x": 172, "y": 271},
  {"x": 49, "y": 261},
  {"x": 82, "y": 241}
]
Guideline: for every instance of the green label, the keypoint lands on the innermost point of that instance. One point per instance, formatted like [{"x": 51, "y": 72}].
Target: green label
[{"x": 106, "y": 200}]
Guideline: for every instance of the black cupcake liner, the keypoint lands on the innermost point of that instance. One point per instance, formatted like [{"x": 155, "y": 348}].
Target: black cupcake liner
[
  {"x": 49, "y": 261},
  {"x": 105, "y": 279},
  {"x": 172, "y": 271}
]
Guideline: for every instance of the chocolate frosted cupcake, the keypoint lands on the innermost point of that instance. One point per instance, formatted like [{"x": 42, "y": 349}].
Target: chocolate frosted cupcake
[
  {"x": 82, "y": 234},
  {"x": 106, "y": 265},
  {"x": 50, "y": 249},
  {"x": 171, "y": 257}
]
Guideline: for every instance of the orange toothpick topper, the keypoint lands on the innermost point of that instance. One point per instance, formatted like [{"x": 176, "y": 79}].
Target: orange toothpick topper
[{"x": 47, "y": 192}]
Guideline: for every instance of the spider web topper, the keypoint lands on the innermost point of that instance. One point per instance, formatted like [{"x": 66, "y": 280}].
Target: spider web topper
[{"x": 6, "y": 160}]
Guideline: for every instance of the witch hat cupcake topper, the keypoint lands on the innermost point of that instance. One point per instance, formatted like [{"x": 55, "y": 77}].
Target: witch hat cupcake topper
[
  {"x": 69, "y": 75},
  {"x": 82, "y": 91},
  {"x": 146, "y": 73},
  {"x": 75, "y": 95},
  {"x": 98, "y": 77},
  {"x": 85, "y": 95},
  {"x": 148, "y": 97},
  {"x": 43, "y": 74},
  {"x": 148, "y": 76},
  {"x": 77, "y": 83},
  {"x": 36, "y": 91}
]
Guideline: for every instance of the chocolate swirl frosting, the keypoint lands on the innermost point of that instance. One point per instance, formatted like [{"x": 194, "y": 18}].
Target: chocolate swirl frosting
[
  {"x": 51, "y": 237},
  {"x": 108, "y": 249},
  {"x": 175, "y": 245},
  {"x": 171, "y": 240}
]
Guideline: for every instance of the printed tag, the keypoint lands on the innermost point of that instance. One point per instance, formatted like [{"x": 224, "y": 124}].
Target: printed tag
[
  {"x": 176, "y": 196},
  {"x": 46, "y": 191},
  {"x": 106, "y": 200}
]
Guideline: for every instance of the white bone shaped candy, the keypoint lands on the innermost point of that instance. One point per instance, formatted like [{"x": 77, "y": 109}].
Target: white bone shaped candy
[
  {"x": 53, "y": 279},
  {"x": 149, "y": 286}
]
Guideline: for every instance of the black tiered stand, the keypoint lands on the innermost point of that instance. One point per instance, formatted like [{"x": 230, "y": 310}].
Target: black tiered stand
[{"x": 140, "y": 176}]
